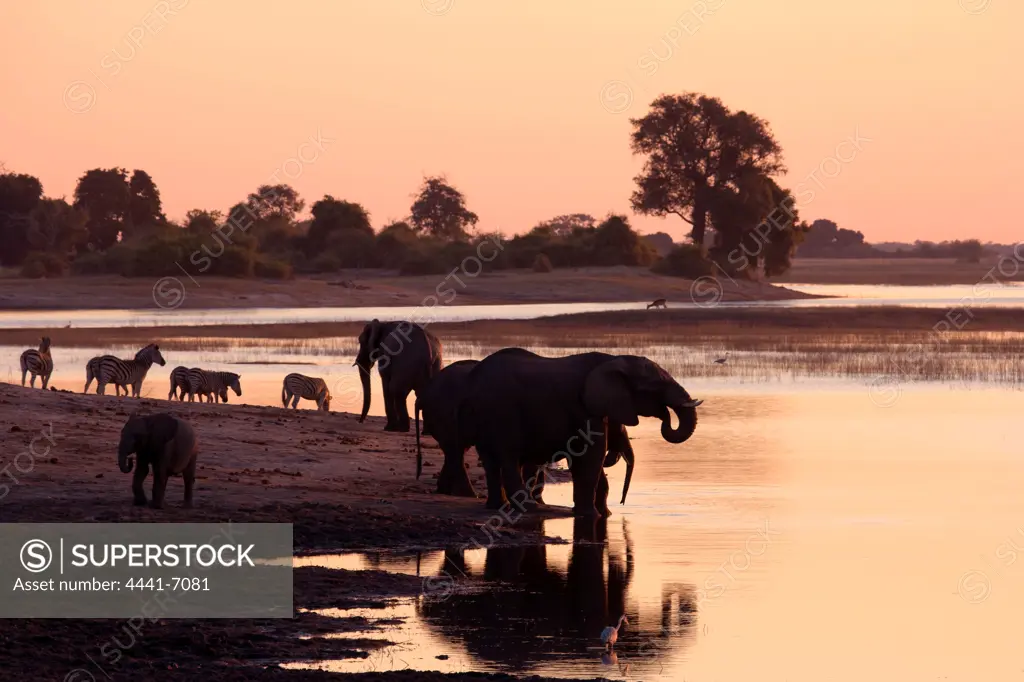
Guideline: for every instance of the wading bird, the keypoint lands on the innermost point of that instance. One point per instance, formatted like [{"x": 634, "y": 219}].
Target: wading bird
[
  {"x": 721, "y": 361},
  {"x": 610, "y": 634}
]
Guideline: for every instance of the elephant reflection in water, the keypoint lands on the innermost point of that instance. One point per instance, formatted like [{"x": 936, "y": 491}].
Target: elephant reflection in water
[{"x": 546, "y": 612}]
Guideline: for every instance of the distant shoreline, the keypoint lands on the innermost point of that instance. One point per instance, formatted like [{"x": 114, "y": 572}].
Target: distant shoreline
[{"x": 578, "y": 330}]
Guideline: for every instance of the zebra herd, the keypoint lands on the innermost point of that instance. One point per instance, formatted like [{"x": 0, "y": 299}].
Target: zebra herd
[{"x": 212, "y": 385}]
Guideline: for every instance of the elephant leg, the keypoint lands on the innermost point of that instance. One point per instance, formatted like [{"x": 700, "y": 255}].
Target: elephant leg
[
  {"x": 533, "y": 474},
  {"x": 454, "y": 479},
  {"x": 512, "y": 480},
  {"x": 402, "y": 411},
  {"x": 586, "y": 471},
  {"x": 159, "y": 486},
  {"x": 189, "y": 476},
  {"x": 141, "y": 471},
  {"x": 601, "y": 498},
  {"x": 492, "y": 471},
  {"x": 389, "y": 408}
]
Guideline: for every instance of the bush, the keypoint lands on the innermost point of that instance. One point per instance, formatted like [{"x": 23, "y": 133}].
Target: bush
[
  {"x": 90, "y": 263},
  {"x": 354, "y": 248},
  {"x": 272, "y": 269},
  {"x": 430, "y": 263},
  {"x": 685, "y": 261},
  {"x": 236, "y": 261},
  {"x": 325, "y": 262},
  {"x": 542, "y": 263},
  {"x": 40, "y": 264}
]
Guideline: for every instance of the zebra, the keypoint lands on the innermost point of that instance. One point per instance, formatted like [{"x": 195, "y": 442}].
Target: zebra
[
  {"x": 311, "y": 388},
  {"x": 212, "y": 384},
  {"x": 37, "y": 362},
  {"x": 179, "y": 382},
  {"x": 107, "y": 369}
]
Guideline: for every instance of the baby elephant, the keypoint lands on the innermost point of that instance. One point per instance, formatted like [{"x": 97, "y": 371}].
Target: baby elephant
[{"x": 168, "y": 444}]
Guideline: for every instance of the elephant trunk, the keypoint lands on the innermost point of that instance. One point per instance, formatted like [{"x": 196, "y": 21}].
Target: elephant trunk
[
  {"x": 125, "y": 462},
  {"x": 364, "y": 378},
  {"x": 627, "y": 454},
  {"x": 686, "y": 412}
]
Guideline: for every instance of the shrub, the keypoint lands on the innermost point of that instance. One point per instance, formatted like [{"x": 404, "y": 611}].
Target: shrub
[
  {"x": 542, "y": 263},
  {"x": 325, "y": 262},
  {"x": 90, "y": 263},
  {"x": 430, "y": 263},
  {"x": 236, "y": 261},
  {"x": 353, "y": 248},
  {"x": 39, "y": 264},
  {"x": 685, "y": 261},
  {"x": 272, "y": 269}
]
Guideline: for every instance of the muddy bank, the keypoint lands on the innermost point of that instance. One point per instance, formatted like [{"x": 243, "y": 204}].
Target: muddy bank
[
  {"x": 343, "y": 485},
  {"x": 580, "y": 329},
  {"x": 356, "y": 288}
]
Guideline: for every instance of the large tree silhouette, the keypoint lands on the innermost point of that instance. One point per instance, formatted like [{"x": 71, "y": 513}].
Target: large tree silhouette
[
  {"x": 697, "y": 148},
  {"x": 440, "y": 210}
]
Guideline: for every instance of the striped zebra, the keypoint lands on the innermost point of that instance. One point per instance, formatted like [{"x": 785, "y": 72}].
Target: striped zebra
[
  {"x": 37, "y": 362},
  {"x": 107, "y": 369},
  {"x": 212, "y": 384},
  {"x": 311, "y": 388},
  {"x": 179, "y": 383}
]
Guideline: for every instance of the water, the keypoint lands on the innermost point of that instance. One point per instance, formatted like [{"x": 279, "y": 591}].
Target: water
[
  {"x": 983, "y": 294},
  {"x": 796, "y": 536},
  {"x": 812, "y": 529}
]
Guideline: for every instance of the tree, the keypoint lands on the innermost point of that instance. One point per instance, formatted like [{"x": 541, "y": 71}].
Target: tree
[
  {"x": 104, "y": 194},
  {"x": 695, "y": 148},
  {"x": 57, "y": 227},
  {"x": 615, "y": 243},
  {"x": 275, "y": 201},
  {"x": 440, "y": 211},
  {"x": 331, "y": 215},
  {"x": 145, "y": 207},
  {"x": 201, "y": 221},
  {"x": 756, "y": 225},
  {"x": 19, "y": 196},
  {"x": 566, "y": 225},
  {"x": 661, "y": 242}
]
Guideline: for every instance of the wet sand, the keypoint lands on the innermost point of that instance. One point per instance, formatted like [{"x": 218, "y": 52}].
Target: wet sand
[{"x": 343, "y": 485}]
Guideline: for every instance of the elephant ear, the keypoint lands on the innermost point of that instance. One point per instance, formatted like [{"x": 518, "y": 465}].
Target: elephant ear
[
  {"x": 373, "y": 338},
  {"x": 162, "y": 428},
  {"x": 606, "y": 393}
]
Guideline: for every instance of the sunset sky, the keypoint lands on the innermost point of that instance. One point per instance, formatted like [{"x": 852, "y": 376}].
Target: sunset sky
[{"x": 524, "y": 105}]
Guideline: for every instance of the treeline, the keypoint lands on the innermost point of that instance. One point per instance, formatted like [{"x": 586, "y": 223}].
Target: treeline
[
  {"x": 825, "y": 239},
  {"x": 116, "y": 225}
]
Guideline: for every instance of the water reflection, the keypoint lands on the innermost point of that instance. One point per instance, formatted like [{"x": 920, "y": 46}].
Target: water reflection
[{"x": 550, "y": 613}]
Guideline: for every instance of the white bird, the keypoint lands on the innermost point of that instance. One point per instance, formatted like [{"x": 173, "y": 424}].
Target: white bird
[{"x": 610, "y": 634}]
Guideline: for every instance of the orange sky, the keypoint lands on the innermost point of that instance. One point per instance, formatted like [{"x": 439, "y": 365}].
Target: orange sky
[{"x": 524, "y": 105}]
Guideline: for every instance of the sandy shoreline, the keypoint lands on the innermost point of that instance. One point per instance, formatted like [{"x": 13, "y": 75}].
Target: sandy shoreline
[
  {"x": 366, "y": 288},
  {"x": 343, "y": 485},
  {"x": 573, "y": 330}
]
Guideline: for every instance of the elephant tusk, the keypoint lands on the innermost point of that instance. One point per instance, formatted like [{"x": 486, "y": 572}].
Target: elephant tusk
[{"x": 692, "y": 403}]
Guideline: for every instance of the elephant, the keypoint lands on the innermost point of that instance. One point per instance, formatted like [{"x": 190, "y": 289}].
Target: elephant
[
  {"x": 619, "y": 447},
  {"x": 166, "y": 443},
  {"x": 409, "y": 357},
  {"x": 522, "y": 409},
  {"x": 438, "y": 402}
]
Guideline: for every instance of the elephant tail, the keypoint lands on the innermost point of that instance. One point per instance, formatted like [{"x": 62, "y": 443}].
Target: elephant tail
[{"x": 419, "y": 449}]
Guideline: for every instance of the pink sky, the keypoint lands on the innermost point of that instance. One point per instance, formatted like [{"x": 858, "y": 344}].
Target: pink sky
[{"x": 524, "y": 105}]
